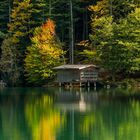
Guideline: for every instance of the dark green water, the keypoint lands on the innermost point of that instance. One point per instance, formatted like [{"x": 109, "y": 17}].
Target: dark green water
[{"x": 58, "y": 114}]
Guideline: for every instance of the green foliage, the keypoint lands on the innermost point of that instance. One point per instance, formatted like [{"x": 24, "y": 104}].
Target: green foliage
[
  {"x": 127, "y": 35},
  {"x": 38, "y": 12},
  {"x": 118, "y": 9},
  {"x": 114, "y": 39},
  {"x": 5, "y": 6},
  {"x": 44, "y": 54},
  {"x": 14, "y": 46},
  {"x": 118, "y": 44},
  {"x": 8, "y": 62},
  {"x": 129, "y": 83},
  {"x": 2, "y": 35},
  {"x": 20, "y": 19}
]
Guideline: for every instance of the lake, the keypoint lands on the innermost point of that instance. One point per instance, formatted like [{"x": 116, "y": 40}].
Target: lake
[{"x": 69, "y": 114}]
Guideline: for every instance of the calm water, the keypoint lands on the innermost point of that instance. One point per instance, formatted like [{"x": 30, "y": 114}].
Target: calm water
[{"x": 58, "y": 114}]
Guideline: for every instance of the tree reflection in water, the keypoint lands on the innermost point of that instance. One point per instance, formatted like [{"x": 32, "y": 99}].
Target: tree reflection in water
[
  {"x": 43, "y": 120},
  {"x": 45, "y": 115}
]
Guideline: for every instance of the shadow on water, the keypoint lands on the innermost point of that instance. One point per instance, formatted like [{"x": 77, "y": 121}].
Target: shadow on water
[{"x": 69, "y": 114}]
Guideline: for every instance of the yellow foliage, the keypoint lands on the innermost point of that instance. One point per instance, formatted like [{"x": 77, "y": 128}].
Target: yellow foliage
[
  {"x": 19, "y": 16},
  {"x": 48, "y": 126},
  {"x": 84, "y": 43},
  {"x": 100, "y": 8},
  {"x": 46, "y": 40},
  {"x": 43, "y": 121},
  {"x": 44, "y": 54}
]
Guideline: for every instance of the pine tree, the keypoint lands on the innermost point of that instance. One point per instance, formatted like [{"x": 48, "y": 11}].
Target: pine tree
[
  {"x": 117, "y": 44},
  {"x": 5, "y": 10},
  {"x": 116, "y": 8},
  {"x": 38, "y": 12},
  {"x": 20, "y": 19},
  {"x": 18, "y": 39},
  {"x": 8, "y": 63}
]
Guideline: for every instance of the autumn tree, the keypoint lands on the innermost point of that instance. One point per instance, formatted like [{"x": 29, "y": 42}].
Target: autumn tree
[{"x": 44, "y": 54}]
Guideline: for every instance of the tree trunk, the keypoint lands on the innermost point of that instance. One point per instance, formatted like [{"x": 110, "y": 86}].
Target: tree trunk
[
  {"x": 9, "y": 8},
  {"x": 71, "y": 34},
  {"x": 50, "y": 8},
  {"x": 111, "y": 8},
  {"x": 86, "y": 30},
  {"x": 83, "y": 26},
  {"x": 113, "y": 77}
]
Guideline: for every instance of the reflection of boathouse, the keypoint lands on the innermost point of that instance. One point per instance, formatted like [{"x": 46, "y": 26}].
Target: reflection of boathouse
[
  {"x": 79, "y": 99},
  {"x": 72, "y": 74},
  {"x": 2, "y": 84}
]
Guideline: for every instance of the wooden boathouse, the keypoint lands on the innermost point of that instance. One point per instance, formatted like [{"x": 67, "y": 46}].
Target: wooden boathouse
[{"x": 77, "y": 74}]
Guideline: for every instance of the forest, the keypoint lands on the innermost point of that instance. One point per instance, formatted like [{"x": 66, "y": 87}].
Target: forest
[{"x": 37, "y": 35}]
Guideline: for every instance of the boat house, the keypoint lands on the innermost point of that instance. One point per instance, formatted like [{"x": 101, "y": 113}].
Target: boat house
[{"x": 81, "y": 74}]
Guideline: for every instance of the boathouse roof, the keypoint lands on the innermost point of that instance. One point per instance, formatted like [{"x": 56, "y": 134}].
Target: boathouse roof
[{"x": 76, "y": 67}]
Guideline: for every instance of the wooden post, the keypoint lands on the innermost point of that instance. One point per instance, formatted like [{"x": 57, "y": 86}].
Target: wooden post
[
  {"x": 88, "y": 84},
  {"x": 60, "y": 84},
  {"x": 88, "y": 89},
  {"x": 108, "y": 86},
  {"x": 95, "y": 84},
  {"x": 70, "y": 84},
  {"x": 80, "y": 84},
  {"x": 71, "y": 33},
  {"x": 2, "y": 84}
]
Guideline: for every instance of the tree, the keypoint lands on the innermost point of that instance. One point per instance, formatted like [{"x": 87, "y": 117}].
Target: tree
[
  {"x": 17, "y": 40},
  {"x": 116, "y": 8},
  {"x": 8, "y": 63},
  {"x": 38, "y": 13},
  {"x": 128, "y": 35},
  {"x": 44, "y": 54},
  {"x": 5, "y": 10},
  {"x": 117, "y": 44}
]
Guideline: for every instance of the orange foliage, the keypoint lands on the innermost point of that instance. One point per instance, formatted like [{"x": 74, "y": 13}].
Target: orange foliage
[
  {"x": 50, "y": 26},
  {"x": 47, "y": 31}
]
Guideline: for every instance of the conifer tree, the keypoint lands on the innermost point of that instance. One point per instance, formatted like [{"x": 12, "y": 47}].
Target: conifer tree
[
  {"x": 5, "y": 10},
  {"x": 117, "y": 45},
  {"x": 38, "y": 12},
  {"x": 10, "y": 72},
  {"x": 18, "y": 39},
  {"x": 116, "y": 8}
]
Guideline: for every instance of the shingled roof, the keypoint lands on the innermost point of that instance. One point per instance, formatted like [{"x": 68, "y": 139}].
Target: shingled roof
[{"x": 77, "y": 67}]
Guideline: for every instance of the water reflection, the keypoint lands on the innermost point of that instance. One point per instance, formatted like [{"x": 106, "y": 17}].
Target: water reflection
[
  {"x": 12, "y": 121},
  {"x": 75, "y": 114},
  {"x": 43, "y": 120}
]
